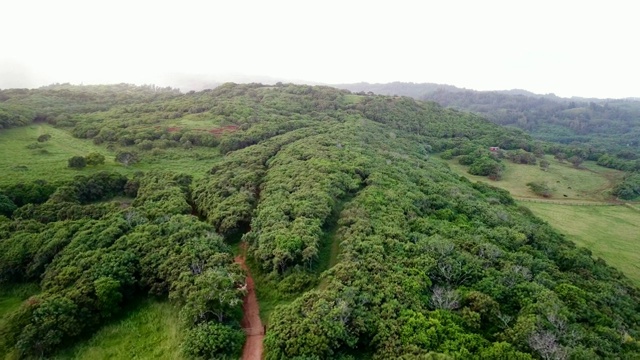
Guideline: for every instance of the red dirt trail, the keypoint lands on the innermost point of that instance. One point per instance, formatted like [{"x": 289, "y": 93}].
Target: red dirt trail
[{"x": 251, "y": 322}]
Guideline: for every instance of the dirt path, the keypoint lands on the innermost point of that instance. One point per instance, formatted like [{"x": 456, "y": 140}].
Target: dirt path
[
  {"x": 251, "y": 322},
  {"x": 573, "y": 202}
]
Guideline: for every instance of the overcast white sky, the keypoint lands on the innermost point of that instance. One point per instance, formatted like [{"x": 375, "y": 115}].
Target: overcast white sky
[{"x": 580, "y": 48}]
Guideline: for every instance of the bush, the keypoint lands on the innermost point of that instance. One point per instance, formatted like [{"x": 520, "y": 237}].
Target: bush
[
  {"x": 576, "y": 160},
  {"x": 540, "y": 189},
  {"x": 486, "y": 166},
  {"x": 466, "y": 159},
  {"x": 544, "y": 165},
  {"x": 295, "y": 283},
  {"x": 34, "y": 146},
  {"x": 77, "y": 162},
  {"x": 522, "y": 157},
  {"x": 7, "y": 207},
  {"x": 213, "y": 341},
  {"x": 629, "y": 188},
  {"x": 447, "y": 155},
  {"x": 44, "y": 138},
  {"x": 127, "y": 158},
  {"x": 146, "y": 145},
  {"x": 95, "y": 159}
]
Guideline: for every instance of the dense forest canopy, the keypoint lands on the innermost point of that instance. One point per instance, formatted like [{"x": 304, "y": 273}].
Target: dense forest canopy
[{"x": 429, "y": 264}]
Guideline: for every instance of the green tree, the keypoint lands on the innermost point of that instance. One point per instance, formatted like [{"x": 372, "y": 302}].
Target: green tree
[
  {"x": 486, "y": 166},
  {"x": 540, "y": 188},
  {"x": 126, "y": 158},
  {"x": 7, "y": 207},
  {"x": 576, "y": 160},
  {"x": 544, "y": 165},
  {"x": 95, "y": 159},
  {"x": 213, "y": 341},
  {"x": 77, "y": 162},
  {"x": 560, "y": 156},
  {"x": 108, "y": 295}
]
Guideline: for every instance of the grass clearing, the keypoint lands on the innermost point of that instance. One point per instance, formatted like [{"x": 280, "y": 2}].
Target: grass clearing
[
  {"x": 330, "y": 250},
  {"x": 610, "y": 232},
  {"x": 149, "y": 330},
  {"x": 48, "y": 160},
  {"x": 12, "y": 296},
  {"x": 590, "y": 183},
  {"x": 353, "y": 98}
]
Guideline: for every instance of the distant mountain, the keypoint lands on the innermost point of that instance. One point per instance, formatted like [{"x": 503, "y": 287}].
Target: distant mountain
[
  {"x": 414, "y": 90},
  {"x": 608, "y": 123},
  {"x": 199, "y": 82}
]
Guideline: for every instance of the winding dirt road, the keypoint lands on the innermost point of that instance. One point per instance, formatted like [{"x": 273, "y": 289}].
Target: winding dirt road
[{"x": 251, "y": 322}]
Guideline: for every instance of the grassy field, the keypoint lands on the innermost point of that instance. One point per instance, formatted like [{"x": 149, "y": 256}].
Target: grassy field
[
  {"x": 610, "y": 232},
  {"x": 353, "y": 99},
  {"x": 48, "y": 161},
  {"x": 19, "y": 163},
  {"x": 150, "y": 330},
  {"x": 11, "y": 297},
  {"x": 590, "y": 183}
]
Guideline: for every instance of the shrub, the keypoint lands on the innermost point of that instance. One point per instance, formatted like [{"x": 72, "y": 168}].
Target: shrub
[
  {"x": 44, "y": 138},
  {"x": 77, "y": 162},
  {"x": 95, "y": 159},
  {"x": 540, "y": 189},
  {"x": 213, "y": 341},
  {"x": 7, "y": 207},
  {"x": 126, "y": 158},
  {"x": 34, "y": 146}
]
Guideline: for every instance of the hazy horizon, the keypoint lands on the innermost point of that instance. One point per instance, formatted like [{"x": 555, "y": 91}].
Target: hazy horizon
[{"x": 569, "y": 49}]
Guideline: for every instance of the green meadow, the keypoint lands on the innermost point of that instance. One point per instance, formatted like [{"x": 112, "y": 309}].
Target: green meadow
[
  {"x": 11, "y": 297},
  {"x": 149, "y": 330},
  {"x": 610, "y": 232},
  {"x": 24, "y": 159},
  {"x": 589, "y": 183}
]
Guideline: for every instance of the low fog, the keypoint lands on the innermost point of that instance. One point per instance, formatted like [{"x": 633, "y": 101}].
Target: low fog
[{"x": 570, "y": 49}]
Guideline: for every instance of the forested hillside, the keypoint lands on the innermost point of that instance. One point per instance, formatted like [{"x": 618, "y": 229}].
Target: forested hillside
[
  {"x": 428, "y": 264},
  {"x": 605, "y": 123}
]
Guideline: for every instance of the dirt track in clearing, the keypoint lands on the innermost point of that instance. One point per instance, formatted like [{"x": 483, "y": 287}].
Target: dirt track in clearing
[{"x": 251, "y": 322}]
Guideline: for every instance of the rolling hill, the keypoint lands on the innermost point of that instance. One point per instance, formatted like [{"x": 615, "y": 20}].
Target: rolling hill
[
  {"x": 611, "y": 124},
  {"x": 370, "y": 246}
]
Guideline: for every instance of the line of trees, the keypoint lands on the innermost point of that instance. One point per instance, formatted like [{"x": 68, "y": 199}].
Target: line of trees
[{"x": 91, "y": 259}]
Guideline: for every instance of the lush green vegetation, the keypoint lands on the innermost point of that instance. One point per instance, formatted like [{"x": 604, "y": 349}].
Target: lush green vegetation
[
  {"x": 566, "y": 182},
  {"x": 629, "y": 188},
  {"x": 12, "y": 296},
  {"x": 429, "y": 263},
  {"x": 26, "y": 160},
  {"x": 609, "y": 125},
  {"x": 610, "y": 232},
  {"x": 147, "y": 330},
  {"x": 95, "y": 257}
]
